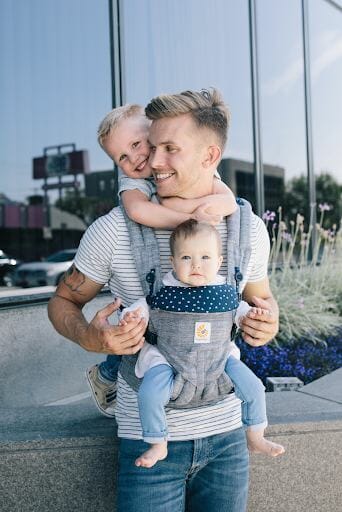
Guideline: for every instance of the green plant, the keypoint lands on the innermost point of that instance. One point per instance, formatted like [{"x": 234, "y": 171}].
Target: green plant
[{"x": 305, "y": 277}]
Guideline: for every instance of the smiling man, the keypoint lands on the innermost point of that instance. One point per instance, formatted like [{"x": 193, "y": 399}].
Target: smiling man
[{"x": 207, "y": 465}]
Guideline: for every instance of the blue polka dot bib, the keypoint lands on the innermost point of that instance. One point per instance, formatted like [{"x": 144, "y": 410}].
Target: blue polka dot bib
[{"x": 200, "y": 299}]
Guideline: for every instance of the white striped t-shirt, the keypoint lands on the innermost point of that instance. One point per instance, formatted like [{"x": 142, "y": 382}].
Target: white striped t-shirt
[{"x": 105, "y": 256}]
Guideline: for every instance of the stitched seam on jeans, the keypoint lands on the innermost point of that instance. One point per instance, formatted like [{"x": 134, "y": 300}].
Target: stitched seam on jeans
[{"x": 184, "y": 498}]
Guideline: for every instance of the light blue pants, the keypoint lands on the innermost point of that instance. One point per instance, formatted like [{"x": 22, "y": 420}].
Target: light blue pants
[
  {"x": 251, "y": 391},
  {"x": 156, "y": 388}
]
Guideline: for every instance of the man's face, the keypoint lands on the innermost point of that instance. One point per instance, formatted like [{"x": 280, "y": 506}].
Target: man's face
[
  {"x": 178, "y": 151},
  {"x": 196, "y": 259},
  {"x": 127, "y": 145}
]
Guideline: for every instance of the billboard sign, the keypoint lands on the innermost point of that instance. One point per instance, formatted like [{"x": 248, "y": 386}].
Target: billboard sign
[{"x": 60, "y": 164}]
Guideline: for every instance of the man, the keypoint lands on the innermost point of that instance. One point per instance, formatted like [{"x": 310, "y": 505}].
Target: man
[{"x": 207, "y": 465}]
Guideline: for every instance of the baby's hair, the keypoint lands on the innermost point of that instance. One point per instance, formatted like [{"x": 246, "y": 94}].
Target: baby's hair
[
  {"x": 114, "y": 117},
  {"x": 206, "y": 108},
  {"x": 191, "y": 228}
]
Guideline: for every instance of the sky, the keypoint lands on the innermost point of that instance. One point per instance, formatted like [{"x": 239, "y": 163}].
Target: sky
[{"x": 55, "y": 84}]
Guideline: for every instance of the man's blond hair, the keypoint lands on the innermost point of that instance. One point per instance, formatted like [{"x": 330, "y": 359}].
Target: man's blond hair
[
  {"x": 114, "y": 117},
  {"x": 206, "y": 107}
]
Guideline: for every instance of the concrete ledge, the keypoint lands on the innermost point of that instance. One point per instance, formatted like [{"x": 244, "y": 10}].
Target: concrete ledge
[
  {"x": 65, "y": 458},
  {"x": 57, "y": 459}
]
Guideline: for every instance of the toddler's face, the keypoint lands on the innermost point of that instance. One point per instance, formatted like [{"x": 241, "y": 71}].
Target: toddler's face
[
  {"x": 128, "y": 146},
  {"x": 197, "y": 259}
]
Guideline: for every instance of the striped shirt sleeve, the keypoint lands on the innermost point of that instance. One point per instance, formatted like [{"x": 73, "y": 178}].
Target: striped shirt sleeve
[
  {"x": 260, "y": 250},
  {"x": 95, "y": 253}
]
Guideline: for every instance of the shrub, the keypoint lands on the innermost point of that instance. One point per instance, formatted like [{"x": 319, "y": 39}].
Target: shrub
[
  {"x": 301, "y": 358},
  {"x": 305, "y": 277}
]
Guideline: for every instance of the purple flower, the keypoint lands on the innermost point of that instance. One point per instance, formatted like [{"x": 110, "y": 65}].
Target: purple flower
[
  {"x": 324, "y": 207},
  {"x": 286, "y": 236},
  {"x": 268, "y": 216},
  {"x": 300, "y": 358}
]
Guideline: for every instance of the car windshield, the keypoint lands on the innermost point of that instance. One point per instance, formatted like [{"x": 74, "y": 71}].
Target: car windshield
[{"x": 61, "y": 256}]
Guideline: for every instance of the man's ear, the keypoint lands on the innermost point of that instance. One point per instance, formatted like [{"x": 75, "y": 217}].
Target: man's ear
[{"x": 212, "y": 157}]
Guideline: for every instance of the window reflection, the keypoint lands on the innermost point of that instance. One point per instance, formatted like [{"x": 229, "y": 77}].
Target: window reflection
[
  {"x": 54, "y": 89},
  {"x": 191, "y": 45},
  {"x": 282, "y": 96},
  {"x": 325, "y": 25}
]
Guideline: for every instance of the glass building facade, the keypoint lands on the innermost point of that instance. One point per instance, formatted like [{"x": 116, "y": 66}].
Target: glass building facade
[{"x": 278, "y": 65}]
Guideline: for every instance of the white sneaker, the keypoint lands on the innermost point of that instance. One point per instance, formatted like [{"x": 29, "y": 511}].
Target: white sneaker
[{"x": 103, "y": 394}]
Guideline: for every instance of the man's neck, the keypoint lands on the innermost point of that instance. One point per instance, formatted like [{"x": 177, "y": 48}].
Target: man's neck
[{"x": 199, "y": 190}]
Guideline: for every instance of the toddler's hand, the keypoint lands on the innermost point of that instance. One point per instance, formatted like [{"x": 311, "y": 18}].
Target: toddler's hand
[{"x": 204, "y": 214}]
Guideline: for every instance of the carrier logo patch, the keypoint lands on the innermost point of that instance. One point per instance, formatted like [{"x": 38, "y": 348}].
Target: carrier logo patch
[{"x": 202, "y": 332}]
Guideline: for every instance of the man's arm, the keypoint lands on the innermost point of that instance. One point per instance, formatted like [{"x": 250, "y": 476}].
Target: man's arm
[
  {"x": 257, "y": 329},
  {"x": 65, "y": 313}
]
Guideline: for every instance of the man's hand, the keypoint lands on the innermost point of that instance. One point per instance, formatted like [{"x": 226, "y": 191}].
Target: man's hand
[
  {"x": 124, "y": 339},
  {"x": 259, "y": 327}
]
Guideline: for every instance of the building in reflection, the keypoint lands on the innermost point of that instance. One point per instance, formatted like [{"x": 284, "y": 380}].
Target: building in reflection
[{"x": 239, "y": 176}]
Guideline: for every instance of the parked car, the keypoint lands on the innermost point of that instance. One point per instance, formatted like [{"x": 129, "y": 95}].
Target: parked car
[
  {"x": 7, "y": 266},
  {"x": 44, "y": 273}
]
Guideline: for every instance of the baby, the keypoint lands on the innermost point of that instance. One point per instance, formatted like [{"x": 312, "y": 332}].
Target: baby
[{"x": 196, "y": 257}]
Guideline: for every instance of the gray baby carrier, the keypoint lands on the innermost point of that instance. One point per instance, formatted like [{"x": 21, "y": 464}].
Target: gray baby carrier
[{"x": 195, "y": 342}]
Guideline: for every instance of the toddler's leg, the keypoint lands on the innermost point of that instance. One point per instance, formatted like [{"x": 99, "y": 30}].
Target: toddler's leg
[
  {"x": 154, "y": 393},
  {"x": 102, "y": 382},
  {"x": 251, "y": 391},
  {"x": 109, "y": 368}
]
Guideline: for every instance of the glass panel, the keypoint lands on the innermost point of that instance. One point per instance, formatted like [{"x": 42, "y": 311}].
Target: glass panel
[
  {"x": 192, "y": 45},
  {"x": 282, "y": 98},
  {"x": 55, "y": 88},
  {"x": 326, "y": 71}
]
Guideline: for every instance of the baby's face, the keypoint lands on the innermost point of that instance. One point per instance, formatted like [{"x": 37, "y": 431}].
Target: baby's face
[
  {"x": 128, "y": 146},
  {"x": 197, "y": 259}
]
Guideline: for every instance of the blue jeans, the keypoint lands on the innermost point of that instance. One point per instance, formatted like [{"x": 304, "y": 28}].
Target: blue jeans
[
  {"x": 204, "y": 475},
  {"x": 109, "y": 368},
  {"x": 156, "y": 388}
]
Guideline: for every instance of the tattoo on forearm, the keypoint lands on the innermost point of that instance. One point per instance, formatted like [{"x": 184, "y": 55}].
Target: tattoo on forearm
[{"x": 74, "y": 279}]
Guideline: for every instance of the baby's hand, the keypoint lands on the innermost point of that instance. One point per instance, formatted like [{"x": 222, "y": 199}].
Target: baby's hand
[
  {"x": 130, "y": 316},
  {"x": 258, "y": 313}
]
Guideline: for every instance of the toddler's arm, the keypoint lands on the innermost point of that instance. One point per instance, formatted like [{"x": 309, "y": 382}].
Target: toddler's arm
[
  {"x": 140, "y": 209},
  {"x": 221, "y": 202}
]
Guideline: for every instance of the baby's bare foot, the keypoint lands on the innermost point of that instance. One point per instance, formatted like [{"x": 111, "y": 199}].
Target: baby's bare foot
[
  {"x": 262, "y": 445},
  {"x": 152, "y": 455}
]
